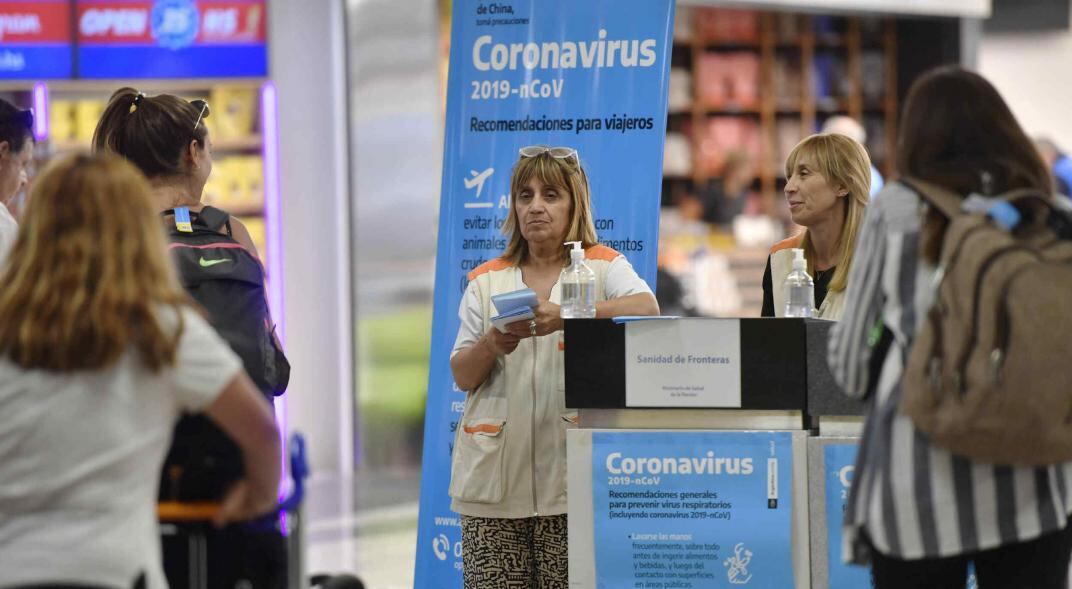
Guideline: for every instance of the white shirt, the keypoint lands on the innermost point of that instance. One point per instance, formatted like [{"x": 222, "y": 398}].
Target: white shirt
[
  {"x": 80, "y": 457},
  {"x": 622, "y": 281},
  {"x": 9, "y": 230}
]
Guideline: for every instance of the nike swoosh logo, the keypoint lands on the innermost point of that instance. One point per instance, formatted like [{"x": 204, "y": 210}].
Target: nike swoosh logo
[{"x": 207, "y": 263}]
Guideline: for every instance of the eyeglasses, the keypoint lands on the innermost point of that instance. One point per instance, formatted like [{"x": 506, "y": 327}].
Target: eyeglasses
[
  {"x": 201, "y": 115},
  {"x": 559, "y": 153}
]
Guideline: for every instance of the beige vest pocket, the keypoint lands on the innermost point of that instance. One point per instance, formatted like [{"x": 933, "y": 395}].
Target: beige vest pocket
[{"x": 476, "y": 472}]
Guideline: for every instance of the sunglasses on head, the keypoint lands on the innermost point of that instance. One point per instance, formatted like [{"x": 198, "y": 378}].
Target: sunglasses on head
[
  {"x": 203, "y": 107},
  {"x": 560, "y": 153}
]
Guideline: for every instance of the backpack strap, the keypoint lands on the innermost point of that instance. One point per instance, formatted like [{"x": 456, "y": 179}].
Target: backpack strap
[
  {"x": 951, "y": 205},
  {"x": 214, "y": 219},
  {"x": 946, "y": 201}
]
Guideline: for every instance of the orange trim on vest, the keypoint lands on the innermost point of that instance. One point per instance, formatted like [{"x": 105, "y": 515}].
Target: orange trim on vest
[
  {"x": 600, "y": 252},
  {"x": 484, "y": 428},
  {"x": 489, "y": 266},
  {"x": 787, "y": 243}
]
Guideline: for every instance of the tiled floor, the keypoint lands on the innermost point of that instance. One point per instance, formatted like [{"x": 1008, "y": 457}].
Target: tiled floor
[{"x": 374, "y": 540}]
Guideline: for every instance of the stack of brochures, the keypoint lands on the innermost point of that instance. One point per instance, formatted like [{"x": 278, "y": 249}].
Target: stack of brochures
[{"x": 518, "y": 305}]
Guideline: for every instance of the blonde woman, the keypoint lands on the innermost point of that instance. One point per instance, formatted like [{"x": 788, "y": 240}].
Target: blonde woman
[
  {"x": 508, "y": 471},
  {"x": 100, "y": 351},
  {"x": 829, "y": 179}
]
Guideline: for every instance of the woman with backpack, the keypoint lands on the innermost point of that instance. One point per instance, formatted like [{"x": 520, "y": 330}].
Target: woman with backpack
[
  {"x": 918, "y": 512},
  {"x": 100, "y": 351},
  {"x": 166, "y": 138}
]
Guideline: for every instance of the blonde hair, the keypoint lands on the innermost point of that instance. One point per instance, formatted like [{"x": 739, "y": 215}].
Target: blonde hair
[
  {"x": 89, "y": 272},
  {"x": 564, "y": 174},
  {"x": 842, "y": 162}
]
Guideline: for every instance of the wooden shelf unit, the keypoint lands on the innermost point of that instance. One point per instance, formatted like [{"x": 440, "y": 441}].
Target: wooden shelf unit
[{"x": 848, "y": 46}]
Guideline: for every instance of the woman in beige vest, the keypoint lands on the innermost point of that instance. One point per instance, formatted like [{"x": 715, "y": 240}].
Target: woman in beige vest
[
  {"x": 508, "y": 465},
  {"x": 827, "y": 188}
]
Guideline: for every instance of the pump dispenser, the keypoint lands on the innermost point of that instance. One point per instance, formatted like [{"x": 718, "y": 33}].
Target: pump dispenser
[
  {"x": 578, "y": 283},
  {"x": 799, "y": 288}
]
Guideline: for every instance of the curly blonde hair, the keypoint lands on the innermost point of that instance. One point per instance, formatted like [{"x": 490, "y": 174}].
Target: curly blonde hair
[{"x": 89, "y": 273}]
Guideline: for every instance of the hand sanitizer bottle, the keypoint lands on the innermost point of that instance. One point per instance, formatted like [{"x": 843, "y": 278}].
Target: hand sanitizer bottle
[
  {"x": 798, "y": 288},
  {"x": 578, "y": 283}
]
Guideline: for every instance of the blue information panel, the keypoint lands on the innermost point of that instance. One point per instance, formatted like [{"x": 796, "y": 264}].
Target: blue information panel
[
  {"x": 35, "y": 39},
  {"x": 171, "y": 38},
  {"x": 588, "y": 75},
  {"x": 692, "y": 510},
  {"x": 839, "y": 460}
]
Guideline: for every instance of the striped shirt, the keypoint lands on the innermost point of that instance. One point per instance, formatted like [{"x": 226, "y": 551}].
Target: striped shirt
[{"x": 909, "y": 498}]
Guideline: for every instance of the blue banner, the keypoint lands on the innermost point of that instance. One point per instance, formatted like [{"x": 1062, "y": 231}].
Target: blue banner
[
  {"x": 589, "y": 75},
  {"x": 838, "y": 462},
  {"x": 35, "y": 39},
  {"x": 693, "y": 510},
  {"x": 35, "y": 62}
]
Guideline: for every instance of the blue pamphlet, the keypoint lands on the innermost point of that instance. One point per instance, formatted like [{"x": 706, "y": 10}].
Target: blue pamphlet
[
  {"x": 518, "y": 305},
  {"x": 522, "y": 314},
  {"x": 508, "y": 302}
]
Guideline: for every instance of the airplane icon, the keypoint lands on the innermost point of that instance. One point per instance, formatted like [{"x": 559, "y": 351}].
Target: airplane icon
[{"x": 477, "y": 180}]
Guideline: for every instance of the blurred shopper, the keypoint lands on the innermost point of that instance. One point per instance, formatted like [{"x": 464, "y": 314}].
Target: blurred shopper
[
  {"x": 508, "y": 471},
  {"x": 827, "y": 191},
  {"x": 16, "y": 152},
  {"x": 724, "y": 198},
  {"x": 1058, "y": 163},
  {"x": 851, "y": 128},
  {"x": 916, "y": 512},
  {"x": 100, "y": 350}
]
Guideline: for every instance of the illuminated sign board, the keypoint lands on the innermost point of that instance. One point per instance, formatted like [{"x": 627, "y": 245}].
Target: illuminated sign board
[
  {"x": 171, "y": 38},
  {"x": 35, "y": 39}
]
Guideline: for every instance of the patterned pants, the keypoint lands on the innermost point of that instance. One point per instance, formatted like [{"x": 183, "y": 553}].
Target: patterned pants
[{"x": 528, "y": 553}]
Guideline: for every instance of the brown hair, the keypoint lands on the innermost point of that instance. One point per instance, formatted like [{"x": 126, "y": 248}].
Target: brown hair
[
  {"x": 956, "y": 130},
  {"x": 564, "y": 174},
  {"x": 842, "y": 162},
  {"x": 152, "y": 132},
  {"x": 89, "y": 272},
  {"x": 16, "y": 126}
]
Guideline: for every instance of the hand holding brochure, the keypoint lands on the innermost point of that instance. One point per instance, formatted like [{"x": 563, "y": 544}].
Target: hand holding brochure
[
  {"x": 518, "y": 305},
  {"x": 501, "y": 321},
  {"x": 511, "y": 301}
]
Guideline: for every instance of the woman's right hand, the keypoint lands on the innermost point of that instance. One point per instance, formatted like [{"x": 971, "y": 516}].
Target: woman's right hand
[
  {"x": 501, "y": 344},
  {"x": 243, "y": 502}
]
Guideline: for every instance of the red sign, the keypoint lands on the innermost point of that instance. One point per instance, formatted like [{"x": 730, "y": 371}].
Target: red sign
[
  {"x": 35, "y": 22},
  {"x": 220, "y": 22}
]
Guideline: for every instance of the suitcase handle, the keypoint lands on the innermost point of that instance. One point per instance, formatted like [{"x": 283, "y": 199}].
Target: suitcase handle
[{"x": 175, "y": 511}]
